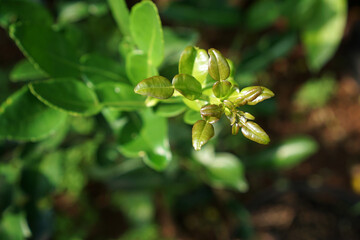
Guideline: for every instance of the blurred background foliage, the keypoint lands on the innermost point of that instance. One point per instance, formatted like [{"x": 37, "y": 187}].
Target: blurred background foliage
[{"x": 87, "y": 181}]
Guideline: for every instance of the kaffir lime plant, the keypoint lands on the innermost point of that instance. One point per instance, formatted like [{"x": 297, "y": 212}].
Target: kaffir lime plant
[{"x": 206, "y": 83}]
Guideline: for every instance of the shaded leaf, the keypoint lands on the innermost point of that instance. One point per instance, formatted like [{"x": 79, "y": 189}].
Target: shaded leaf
[
  {"x": 69, "y": 95},
  {"x": 284, "y": 155},
  {"x": 138, "y": 67},
  {"x": 121, "y": 14},
  {"x": 99, "y": 69},
  {"x": 191, "y": 116},
  {"x": 170, "y": 109},
  {"x": 202, "y": 132},
  {"x": 322, "y": 37},
  {"x": 145, "y": 136},
  {"x": 119, "y": 96},
  {"x": 25, "y": 71},
  {"x": 46, "y": 48},
  {"x": 223, "y": 170},
  {"x": 23, "y": 117},
  {"x": 24, "y": 11},
  {"x": 157, "y": 87}
]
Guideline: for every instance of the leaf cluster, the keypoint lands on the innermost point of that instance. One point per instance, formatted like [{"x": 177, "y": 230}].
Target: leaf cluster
[{"x": 207, "y": 79}]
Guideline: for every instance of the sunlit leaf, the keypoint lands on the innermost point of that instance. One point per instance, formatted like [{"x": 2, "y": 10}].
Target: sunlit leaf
[
  {"x": 157, "y": 87},
  {"x": 187, "y": 85},
  {"x": 221, "y": 88},
  {"x": 194, "y": 61},
  {"x": 150, "y": 39},
  {"x": 254, "y": 132},
  {"x": 202, "y": 132},
  {"x": 218, "y": 66}
]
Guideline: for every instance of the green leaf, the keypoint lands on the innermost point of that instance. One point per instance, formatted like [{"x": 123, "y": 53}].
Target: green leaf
[
  {"x": 202, "y": 132},
  {"x": 175, "y": 42},
  {"x": 259, "y": 16},
  {"x": 157, "y": 87},
  {"x": 322, "y": 37},
  {"x": 119, "y": 96},
  {"x": 99, "y": 69},
  {"x": 187, "y": 85},
  {"x": 23, "y": 117},
  {"x": 146, "y": 136},
  {"x": 191, "y": 116},
  {"x": 69, "y": 95},
  {"x": 315, "y": 93},
  {"x": 14, "y": 226},
  {"x": 267, "y": 49},
  {"x": 121, "y": 14},
  {"x": 169, "y": 109},
  {"x": 265, "y": 94},
  {"x": 150, "y": 39},
  {"x": 138, "y": 67},
  {"x": 25, "y": 71},
  {"x": 223, "y": 170},
  {"x": 254, "y": 132},
  {"x": 284, "y": 155},
  {"x": 24, "y": 11},
  {"x": 73, "y": 12},
  {"x": 194, "y": 61},
  {"x": 221, "y": 88},
  {"x": 47, "y": 49},
  {"x": 218, "y": 66}
]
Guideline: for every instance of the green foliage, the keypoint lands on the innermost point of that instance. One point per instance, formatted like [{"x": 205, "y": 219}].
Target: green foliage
[
  {"x": 315, "y": 93},
  {"x": 84, "y": 121},
  {"x": 223, "y": 99},
  {"x": 66, "y": 94},
  {"x": 23, "y": 117}
]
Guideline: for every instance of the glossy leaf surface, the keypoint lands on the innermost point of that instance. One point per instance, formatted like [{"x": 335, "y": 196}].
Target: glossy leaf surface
[
  {"x": 254, "y": 132},
  {"x": 157, "y": 87},
  {"x": 221, "y": 88},
  {"x": 67, "y": 94},
  {"x": 194, "y": 61},
  {"x": 202, "y": 132},
  {"x": 47, "y": 49},
  {"x": 23, "y": 117},
  {"x": 218, "y": 66},
  {"x": 146, "y": 30},
  {"x": 187, "y": 85}
]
